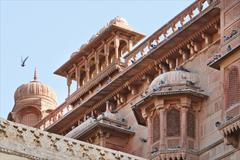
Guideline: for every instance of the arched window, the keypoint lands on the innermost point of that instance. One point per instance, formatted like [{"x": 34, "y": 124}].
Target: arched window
[
  {"x": 122, "y": 47},
  {"x": 191, "y": 124},
  {"x": 173, "y": 122},
  {"x": 156, "y": 127},
  {"x": 233, "y": 88}
]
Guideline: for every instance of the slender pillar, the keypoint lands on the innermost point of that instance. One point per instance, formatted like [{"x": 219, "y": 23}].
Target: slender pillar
[
  {"x": 69, "y": 82},
  {"x": 87, "y": 69},
  {"x": 77, "y": 76},
  {"x": 96, "y": 57},
  {"x": 130, "y": 44},
  {"x": 149, "y": 124},
  {"x": 116, "y": 45},
  {"x": 162, "y": 128},
  {"x": 184, "y": 127},
  {"x": 106, "y": 53}
]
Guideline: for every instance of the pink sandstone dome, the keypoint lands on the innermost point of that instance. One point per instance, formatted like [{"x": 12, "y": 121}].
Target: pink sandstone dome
[{"x": 34, "y": 89}]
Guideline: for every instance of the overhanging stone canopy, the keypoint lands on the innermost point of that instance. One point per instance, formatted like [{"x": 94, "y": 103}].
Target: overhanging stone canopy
[{"x": 107, "y": 120}]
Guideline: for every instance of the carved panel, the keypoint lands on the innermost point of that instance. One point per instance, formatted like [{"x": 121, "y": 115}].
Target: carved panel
[
  {"x": 173, "y": 122},
  {"x": 191, "y": 124},
  {"x": 232, "y": 84},
  {"x": 156, "y": 127}
]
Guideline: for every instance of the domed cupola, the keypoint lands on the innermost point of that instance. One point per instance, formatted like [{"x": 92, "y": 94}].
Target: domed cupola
[
  {"x": 173, "y": 79},
  {"x": 33, "y": 101}
]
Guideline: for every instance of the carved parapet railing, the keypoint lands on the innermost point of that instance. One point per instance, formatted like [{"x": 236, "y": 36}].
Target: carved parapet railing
[
  {"x": 231, "y": 131},
  {"x": 174, "y": 25},
  {"x": 54, "y": 116},
  {"x": 23, "y": 141}
]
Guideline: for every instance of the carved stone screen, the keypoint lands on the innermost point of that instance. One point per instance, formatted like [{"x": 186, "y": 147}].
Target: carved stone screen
[
  {"x": 190, "y": 124},
  {"x": 173, "y": 122},
  {"x": 233, "y": 86},
  {"x": 156, "y": 127}
]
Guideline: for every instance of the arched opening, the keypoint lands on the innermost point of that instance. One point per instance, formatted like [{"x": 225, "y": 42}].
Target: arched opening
[
  {"x": 122, "y": 48},
  {"x": 29, "y": 116},
  {"x": 112, "y": 54}
]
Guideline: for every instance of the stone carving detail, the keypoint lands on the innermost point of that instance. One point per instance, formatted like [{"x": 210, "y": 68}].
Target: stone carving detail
[
  {"x": 173, "y": 122},
  {"x": 191, "y": 124},
  {"x": 39, "y": 144}
]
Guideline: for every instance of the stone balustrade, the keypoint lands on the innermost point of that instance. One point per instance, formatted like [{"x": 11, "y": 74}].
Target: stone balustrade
[
  {"x": 174, "y": 25},
  {"x": 23, "y": 141}
]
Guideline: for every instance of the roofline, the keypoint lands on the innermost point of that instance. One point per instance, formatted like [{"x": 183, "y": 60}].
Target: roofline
[{"x": 82, "y": 52}]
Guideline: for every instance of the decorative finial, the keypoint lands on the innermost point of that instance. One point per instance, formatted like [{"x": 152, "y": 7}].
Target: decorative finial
[{"x": 35, "y": 75}]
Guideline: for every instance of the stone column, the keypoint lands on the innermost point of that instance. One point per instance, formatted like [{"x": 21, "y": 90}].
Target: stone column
[
  {"x": 87, "y": 69},
  {"x": 69, "y": 82},
  {"x": 130, "y": 44},
  {"x": 97, "y": 62},
  {"x": 162, "y": 129},
  {"x": 159, "y": 104},
  {"x": 106, "y": 53},
  {"x": 77, "y": 76},
  {"x": 116, "y": 46},
  {"x": 149, "y": 140},
  {"x": 184, "y": 127}
]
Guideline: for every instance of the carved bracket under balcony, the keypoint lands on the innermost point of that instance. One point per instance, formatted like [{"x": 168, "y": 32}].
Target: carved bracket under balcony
[{"x": 231, "y": 131}]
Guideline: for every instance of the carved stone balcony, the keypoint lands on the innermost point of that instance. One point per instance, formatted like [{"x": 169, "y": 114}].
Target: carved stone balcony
[{"x": 231, "y": 131}]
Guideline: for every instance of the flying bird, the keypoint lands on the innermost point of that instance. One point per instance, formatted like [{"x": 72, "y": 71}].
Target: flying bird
[{"x": 23, "y": 61}]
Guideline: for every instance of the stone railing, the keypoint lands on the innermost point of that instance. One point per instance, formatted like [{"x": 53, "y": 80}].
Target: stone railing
[
  {"x": 58, "y": 113},
  {"x": 23, "y": 141},
  {"x": 173, "y": 26}
]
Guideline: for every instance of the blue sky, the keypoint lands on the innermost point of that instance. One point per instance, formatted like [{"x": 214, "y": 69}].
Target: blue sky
[{"x": 49, "y": 31}]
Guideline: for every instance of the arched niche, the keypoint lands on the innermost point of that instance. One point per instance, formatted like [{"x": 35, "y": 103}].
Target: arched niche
[
  {"x": 112, "y": 53},
  {"x": 122, "y": 47},
  {"x": 29, "y": 115}
]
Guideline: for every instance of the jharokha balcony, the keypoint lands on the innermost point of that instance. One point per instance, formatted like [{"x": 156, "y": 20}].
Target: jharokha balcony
[{"x": 231, "y": 131}]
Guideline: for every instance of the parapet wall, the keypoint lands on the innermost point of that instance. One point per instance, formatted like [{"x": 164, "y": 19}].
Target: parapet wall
[{"x": 23, "y": 142}]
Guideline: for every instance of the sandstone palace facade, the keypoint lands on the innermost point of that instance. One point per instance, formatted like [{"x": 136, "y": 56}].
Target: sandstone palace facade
[{"x": 174, "y": 95}]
